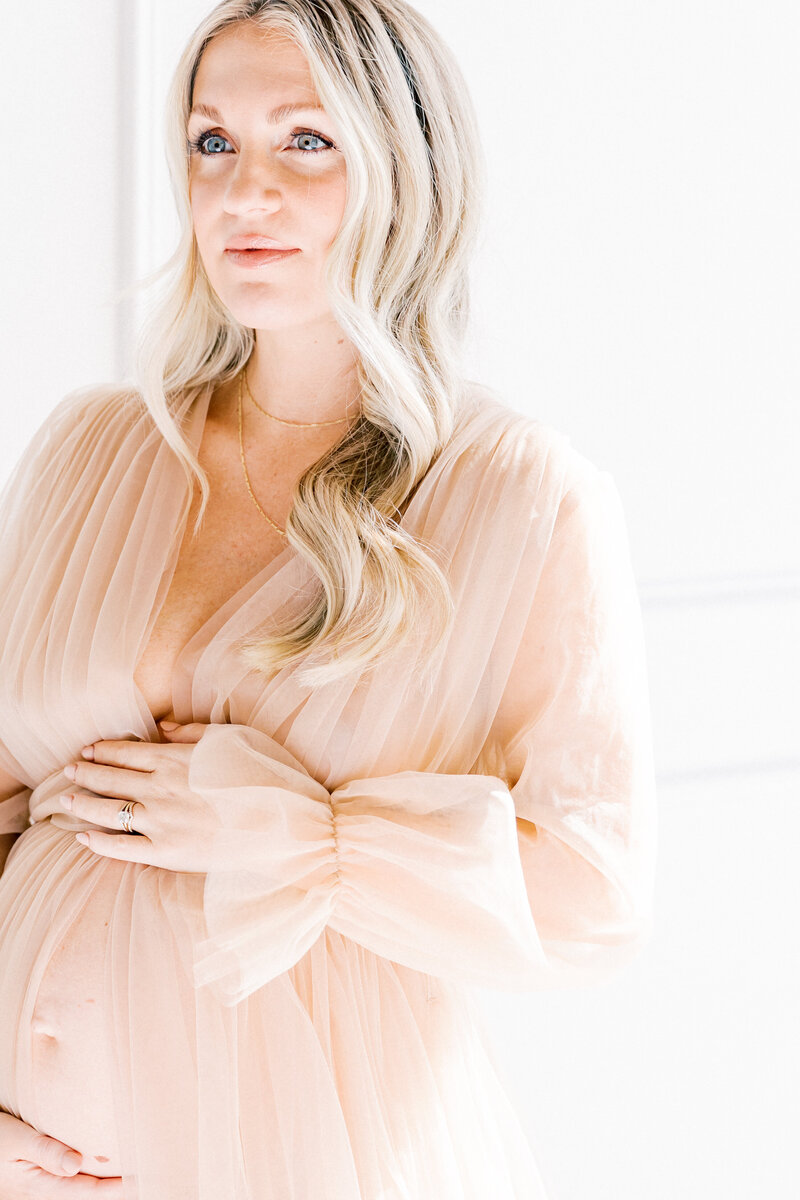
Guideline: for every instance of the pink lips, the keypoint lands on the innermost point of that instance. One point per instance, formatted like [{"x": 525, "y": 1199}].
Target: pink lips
[{"x": 257, "y": 258}]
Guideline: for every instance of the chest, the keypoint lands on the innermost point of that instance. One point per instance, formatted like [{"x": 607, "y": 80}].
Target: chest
[{"x": 233, "y": 544}]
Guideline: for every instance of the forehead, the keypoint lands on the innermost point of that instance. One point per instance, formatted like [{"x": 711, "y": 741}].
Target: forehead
[{"x": 246, "y": 59}]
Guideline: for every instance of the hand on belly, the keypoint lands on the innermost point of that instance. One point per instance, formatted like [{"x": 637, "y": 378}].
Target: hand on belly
[{"x": 30, "y": 1161}]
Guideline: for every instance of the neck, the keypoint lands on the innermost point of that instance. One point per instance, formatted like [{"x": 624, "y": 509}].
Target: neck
[{"x": 305, "y": 373}]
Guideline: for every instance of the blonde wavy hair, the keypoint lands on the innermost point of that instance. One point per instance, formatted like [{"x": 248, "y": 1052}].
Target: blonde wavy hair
[{"x": 397, "y": 279}]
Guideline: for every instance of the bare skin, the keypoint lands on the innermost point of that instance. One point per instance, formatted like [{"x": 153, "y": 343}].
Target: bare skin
[
  {"x": 31, "y": 1161},
  {"x": 289, "y": 184},
  {"x": 234, "y": 541},
  {"x": 31, "y": 1167}
]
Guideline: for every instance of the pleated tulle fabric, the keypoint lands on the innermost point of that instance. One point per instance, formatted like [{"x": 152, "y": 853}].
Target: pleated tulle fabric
[{"x": 297, "y": 1023}]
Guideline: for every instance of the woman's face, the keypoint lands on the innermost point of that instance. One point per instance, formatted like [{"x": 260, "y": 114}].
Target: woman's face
[{"x": 275, "y": 176}]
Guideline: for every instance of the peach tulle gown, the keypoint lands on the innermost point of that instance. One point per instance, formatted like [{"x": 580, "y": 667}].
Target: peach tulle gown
[{"x": 302, "y": 1028}]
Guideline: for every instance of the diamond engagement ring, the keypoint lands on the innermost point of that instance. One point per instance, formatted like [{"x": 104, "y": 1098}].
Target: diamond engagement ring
[{"x": 125, "y": 816}]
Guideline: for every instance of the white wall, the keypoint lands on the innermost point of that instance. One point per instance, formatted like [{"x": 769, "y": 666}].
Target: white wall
[
  {"x": 637, "y": 288},
  {"x": 59, "y": 214}
]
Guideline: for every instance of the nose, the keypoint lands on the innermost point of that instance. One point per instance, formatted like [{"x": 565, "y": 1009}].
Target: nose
[{"x": 254, "y": 184}]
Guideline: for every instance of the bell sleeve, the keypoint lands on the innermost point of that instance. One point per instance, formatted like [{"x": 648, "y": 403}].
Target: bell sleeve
[
  {"x": 22, "y": 498},
  {"x": 574, "y": 740},
  {"x": 538, "y": 873}
]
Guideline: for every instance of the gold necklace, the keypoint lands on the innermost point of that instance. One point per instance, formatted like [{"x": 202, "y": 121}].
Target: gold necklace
[
  {"x": 297, "y": 424},
  {"x": 282, "y": 532}
]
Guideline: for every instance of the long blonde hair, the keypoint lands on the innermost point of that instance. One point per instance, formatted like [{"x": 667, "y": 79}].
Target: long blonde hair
[{"x": 397, "y": 278}]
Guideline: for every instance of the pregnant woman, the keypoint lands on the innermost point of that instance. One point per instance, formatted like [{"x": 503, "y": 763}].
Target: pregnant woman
[{"x": 323, "y": 693}]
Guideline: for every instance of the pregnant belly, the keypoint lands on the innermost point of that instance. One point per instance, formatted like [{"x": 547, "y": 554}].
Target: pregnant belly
[{"x": 56, "y": 910}]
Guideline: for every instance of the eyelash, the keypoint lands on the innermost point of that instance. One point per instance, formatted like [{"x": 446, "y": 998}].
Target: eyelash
[{"x": 195, "y": 145}]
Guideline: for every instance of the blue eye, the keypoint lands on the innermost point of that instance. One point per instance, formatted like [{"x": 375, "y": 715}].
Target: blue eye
[
  {"x": 199, "y": 145},
  {"x": 307, "y": 133}
]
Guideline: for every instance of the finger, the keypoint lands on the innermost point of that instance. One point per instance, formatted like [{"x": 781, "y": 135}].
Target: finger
[
  {"x": 185, "y": 733},
  {"x": 122, "y": 782},
  {"x": 104, "y": 810},
  {"x": 52, "y": 1155},
  {"x": 122, "y": 846},
  {"x": 124, "y": 752}
]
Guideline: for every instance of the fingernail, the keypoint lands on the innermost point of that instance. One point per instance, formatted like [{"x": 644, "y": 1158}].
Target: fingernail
[
  {"x": 168, "y": 724},
  {"x": 88, "y": 752},
  {"x": 66, "y": 801},
  {"x": 70, "y": 770},
  {"x": 71, "y": 1161}
]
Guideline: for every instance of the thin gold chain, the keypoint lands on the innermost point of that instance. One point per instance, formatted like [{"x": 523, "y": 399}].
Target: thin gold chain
[
  {"x": 297, "y": 424},
  {"x": 282, "y": 532}
]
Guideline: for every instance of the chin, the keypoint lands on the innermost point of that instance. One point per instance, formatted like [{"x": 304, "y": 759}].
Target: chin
[{"x": 286, "y": 313}]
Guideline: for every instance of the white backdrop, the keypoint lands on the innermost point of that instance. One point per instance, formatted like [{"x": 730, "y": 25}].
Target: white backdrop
[{"x": 637, "y": 288}]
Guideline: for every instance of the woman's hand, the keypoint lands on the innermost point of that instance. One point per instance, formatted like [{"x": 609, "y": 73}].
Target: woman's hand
[
  {"x": 177, "y": 827},
  {"x": 32, "y": 1167}
]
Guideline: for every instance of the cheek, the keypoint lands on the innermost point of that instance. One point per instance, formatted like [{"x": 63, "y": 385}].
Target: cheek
[
  {"x": 329, "y": 207},
  {"x": 202, "y": 220},
  {"x": 201, "y": 196}
]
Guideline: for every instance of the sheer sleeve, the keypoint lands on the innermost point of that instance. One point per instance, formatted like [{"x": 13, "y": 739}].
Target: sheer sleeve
[
  {"x": 574, "y": 736},
  {"x": 537, "y": 873},
  {"x": 37, "y": 525},
  {"x": 24, "y": 499}
]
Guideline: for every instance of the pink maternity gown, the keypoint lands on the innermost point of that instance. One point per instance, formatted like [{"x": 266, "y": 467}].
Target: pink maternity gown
[{"x": 297, "y": 1023}]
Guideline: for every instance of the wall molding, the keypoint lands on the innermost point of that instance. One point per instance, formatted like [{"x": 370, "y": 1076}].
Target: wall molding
[
  {"x": 719, "y": 772},
  {"x": 138, "y": 127},
  {"x": 744, "y": 586}
]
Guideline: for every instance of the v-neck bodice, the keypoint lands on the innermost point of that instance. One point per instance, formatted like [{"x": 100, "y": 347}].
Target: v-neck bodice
[
  {"x": 217, "y": 625},
  {"x": 207, "y": 668},
  {"x": 247, "y": 600},
  {"x": 112, "y": 502}
]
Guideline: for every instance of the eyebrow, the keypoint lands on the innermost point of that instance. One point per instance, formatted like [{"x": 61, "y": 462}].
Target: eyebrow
[{"x": 274, "y": 118}]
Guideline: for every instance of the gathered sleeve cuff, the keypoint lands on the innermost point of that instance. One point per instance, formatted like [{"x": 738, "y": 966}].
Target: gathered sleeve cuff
[
  {"x": 421, "y": 868},
  {"x": 431, "y": 876},
  {"x": 274, "y": 880}
]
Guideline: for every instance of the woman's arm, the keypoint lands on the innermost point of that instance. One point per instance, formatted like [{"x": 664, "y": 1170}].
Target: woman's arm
[{"x": 537, "y": 873}]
